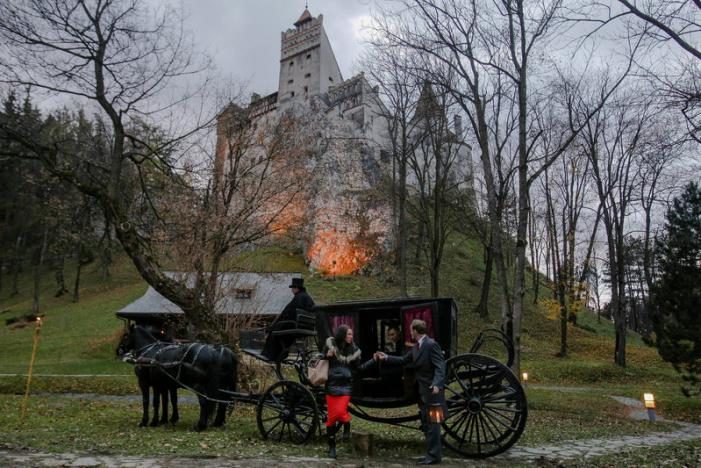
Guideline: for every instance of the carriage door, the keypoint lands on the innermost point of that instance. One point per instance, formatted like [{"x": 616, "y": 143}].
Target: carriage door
[{"x": 425, "y": 312}]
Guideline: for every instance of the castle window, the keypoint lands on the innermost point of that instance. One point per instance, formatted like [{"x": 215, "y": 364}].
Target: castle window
[
  {"x": 292, "y": 94},
  {"x": 309, "y": 56},
  {"x": 330, "y": 79},
  {"x": 292, "y": 63},
  {"x": 307, "y": 75},
  {"x": 290, "y": 81},
  {"x": 306, "y": 88}
]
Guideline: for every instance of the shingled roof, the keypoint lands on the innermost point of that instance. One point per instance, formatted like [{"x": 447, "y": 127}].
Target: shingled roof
[{"x": 242, "y": 293}]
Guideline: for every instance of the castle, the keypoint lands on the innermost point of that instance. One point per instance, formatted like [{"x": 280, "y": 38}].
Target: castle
[{"x": 343, "y": 216}]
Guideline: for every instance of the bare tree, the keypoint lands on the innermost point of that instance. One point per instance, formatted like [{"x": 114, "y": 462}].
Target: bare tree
[
  {"x": 433, "y": 30},
  {"x": 436, "y": 153},
  {"x": 399, "y": 87},
  {"x": 677, "y": 75},
  {"x": 123, "y": 59},
  {"x": 483, "y": 49},
  {"x": 613, "y": 142},
  {"x": 675, "y": 20},
  {"x": 565, "y": 195}
]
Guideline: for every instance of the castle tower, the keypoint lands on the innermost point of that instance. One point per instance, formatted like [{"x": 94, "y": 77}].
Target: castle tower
[{"x": 308, "y": 66}]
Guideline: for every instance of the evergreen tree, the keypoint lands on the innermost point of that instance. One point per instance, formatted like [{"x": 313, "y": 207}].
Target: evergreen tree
[{"x": 677, "y": 293}]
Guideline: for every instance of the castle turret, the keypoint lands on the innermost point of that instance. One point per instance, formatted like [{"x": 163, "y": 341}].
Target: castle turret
[{"x": 307, "y": 64}]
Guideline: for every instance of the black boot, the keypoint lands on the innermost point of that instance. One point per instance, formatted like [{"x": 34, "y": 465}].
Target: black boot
[
  {"x": 331, "y": 437},
  {"x": 346, "y": 432}
]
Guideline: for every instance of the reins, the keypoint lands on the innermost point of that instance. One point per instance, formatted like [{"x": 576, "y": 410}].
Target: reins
[{"x": 142, "y": 361}]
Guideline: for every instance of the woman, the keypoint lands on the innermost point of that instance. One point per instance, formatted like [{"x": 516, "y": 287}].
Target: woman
[{"x": 344, "y": 359}]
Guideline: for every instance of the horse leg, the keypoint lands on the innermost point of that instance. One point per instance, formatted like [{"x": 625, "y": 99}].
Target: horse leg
[
  {"x": 204, "y": 414},
  {"x": 156, "y": 404},
  {"x": 221, "y": 415},
  {"x": 174, "y": 402},
  {"x": 143, "y": 385},
  {"x": 164, "y": 405}
]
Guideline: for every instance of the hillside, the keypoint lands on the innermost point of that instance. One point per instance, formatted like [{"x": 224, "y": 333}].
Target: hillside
[{"x": 80, "y": 338}]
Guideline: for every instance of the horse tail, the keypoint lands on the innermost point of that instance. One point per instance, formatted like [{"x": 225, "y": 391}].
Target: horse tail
[
  {"x": 234, "y": 370},
  {"x": 229, "y": 368}
]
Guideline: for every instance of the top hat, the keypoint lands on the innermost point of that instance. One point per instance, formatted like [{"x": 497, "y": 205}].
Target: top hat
[{"x": 297, "y": 283}]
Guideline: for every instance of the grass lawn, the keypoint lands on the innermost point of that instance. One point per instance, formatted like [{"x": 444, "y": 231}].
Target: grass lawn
[
  {"x": 80, "y": 338},
  {"x": 60, "y": 423}
]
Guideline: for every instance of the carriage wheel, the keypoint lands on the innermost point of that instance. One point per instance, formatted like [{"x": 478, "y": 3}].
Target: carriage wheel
[
  {"x": 287, "y": 410},
  {"x": 486, "y": 406}
]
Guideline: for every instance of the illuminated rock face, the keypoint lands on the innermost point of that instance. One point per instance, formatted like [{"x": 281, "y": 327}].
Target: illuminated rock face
[{"x": 342, "y": 215}]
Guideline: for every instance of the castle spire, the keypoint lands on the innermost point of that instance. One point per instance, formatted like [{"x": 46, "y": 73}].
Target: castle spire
[{"x": 305, "y": 18}]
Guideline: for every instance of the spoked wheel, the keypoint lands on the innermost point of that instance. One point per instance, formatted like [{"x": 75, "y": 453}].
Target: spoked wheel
[
  {"x": 287, "y": 410},
  {"x": 486, "y": 406}
]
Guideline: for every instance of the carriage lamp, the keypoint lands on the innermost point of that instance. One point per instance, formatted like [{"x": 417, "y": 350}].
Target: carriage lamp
[
  {"x": 649, "y": 400},
  {"x": 435, "y": 413}
]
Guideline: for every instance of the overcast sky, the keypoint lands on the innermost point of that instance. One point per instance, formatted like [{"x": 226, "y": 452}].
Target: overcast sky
[{"x": 243, "y": 36}]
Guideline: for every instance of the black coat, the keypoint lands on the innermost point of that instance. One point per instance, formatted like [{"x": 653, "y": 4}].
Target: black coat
[
  {"x": 342, "y": 368},
  {"x": 301, "y": 300}
]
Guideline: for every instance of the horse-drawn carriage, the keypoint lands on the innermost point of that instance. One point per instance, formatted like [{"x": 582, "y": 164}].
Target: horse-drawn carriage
[{"x": 486, "y": 405}]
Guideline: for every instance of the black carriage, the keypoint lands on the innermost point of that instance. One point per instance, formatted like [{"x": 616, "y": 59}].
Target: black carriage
[{"x": 486, "y": 404}]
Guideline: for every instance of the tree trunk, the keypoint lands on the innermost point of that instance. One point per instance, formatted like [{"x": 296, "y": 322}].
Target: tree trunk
[
  {"x": 76, "y": 283},
  {"x": 39, "y": 262},
  {"x": 16, "y": 267},
  {"x": 420, "y": 239},
  {"x": 519, "y": 286},
  {"x": 105, "y": 252},
  {"x": 483, "y": 308},
  {"x": 563, "y": 317},
  {"x": 535, "y": 261},
  {"x": 60, "y": 277},
  {"x": 403, "y": 230}
]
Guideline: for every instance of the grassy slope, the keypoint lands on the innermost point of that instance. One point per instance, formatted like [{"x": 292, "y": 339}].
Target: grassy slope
[{"x": 80, "y": 338}]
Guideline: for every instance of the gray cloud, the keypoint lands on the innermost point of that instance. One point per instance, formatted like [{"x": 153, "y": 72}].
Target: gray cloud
[{"x": 243, "y": 36}]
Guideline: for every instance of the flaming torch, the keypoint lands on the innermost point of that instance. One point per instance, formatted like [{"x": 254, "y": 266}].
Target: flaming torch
[{"x": 37, "y": 330}]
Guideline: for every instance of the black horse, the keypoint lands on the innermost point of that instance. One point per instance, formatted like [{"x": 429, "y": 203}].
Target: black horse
[
  {"x": 164, "y": 387},
  {"x": 209, "y": 371}
]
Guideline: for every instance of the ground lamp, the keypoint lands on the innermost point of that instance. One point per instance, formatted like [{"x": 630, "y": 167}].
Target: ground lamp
[
  {"x": 37, "y": 329},
  {"x": 524, "y": 378},
  {"x": 649, "y": 400}
]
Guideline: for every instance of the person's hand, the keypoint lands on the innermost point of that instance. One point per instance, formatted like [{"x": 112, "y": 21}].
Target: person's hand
[
  {"x": 435, "y": 389},
  {"x": 381, "y": 356},
  {"x": 330, "y": 353}
]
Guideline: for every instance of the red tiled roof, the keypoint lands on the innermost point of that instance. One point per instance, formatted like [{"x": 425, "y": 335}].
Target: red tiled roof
[{"x": 306, "y": 16}]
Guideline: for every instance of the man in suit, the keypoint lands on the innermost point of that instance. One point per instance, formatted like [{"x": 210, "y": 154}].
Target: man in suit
[
  {"x": 394, "y": 343},
  {"x": 426, "y": 358},
  {"x": 275, "y": 346}
]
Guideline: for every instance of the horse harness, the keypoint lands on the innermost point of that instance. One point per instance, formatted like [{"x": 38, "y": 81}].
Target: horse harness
[{"x": 143, "y": 361}]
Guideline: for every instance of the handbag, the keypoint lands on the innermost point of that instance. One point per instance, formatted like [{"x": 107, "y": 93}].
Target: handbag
[{"x": 319, "y": 374}]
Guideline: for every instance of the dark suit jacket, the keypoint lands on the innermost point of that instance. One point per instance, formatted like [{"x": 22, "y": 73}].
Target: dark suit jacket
[{"x": 428, "y": 364}]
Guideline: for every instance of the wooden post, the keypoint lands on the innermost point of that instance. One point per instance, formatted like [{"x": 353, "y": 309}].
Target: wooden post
[
  {"x": 37, "y": 330},
  {"x": 363, "y": 444}
]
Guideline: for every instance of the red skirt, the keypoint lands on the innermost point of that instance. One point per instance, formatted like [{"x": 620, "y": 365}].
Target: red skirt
[{"x": 337, "y": 407}]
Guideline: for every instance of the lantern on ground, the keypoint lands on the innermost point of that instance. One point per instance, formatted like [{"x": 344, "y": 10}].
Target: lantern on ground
[
  {"x": 649, "y": 400},
  {"x": 524, "y": 378}
]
